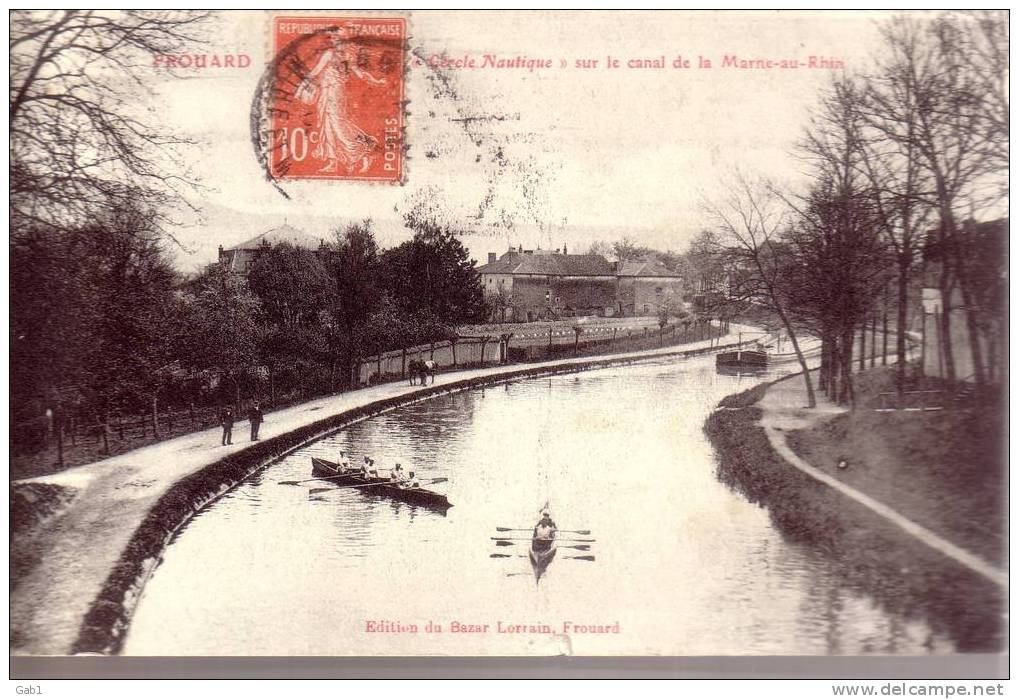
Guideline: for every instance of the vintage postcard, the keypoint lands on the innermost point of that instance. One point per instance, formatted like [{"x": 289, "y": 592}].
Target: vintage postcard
[{"x": 526, "y": 334}]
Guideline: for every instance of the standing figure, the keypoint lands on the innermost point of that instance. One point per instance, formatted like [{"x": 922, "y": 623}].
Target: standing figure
[
  {"x": 255, "y": 417},
  {"x": 226, "y": 419},
  {"x": 340, "y": 140}
]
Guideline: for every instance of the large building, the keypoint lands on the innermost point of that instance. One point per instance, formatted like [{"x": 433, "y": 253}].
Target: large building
[
  {"x": 526, "y": 285},
  {"x": 239, "y": 258}
]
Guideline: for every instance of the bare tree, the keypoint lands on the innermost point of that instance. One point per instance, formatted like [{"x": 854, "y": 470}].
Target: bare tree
[
  {"x": 78, "y": 145},
  {"x": 937, "y": 94},
  {"x": 899, "y": 182},
  {"x": 838, "y": 238},
  {"x": 750, "y": 218},
  {"x": 980, "y": 43}
]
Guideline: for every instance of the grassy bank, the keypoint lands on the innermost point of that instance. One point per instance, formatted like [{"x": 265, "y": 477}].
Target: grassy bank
[
  {"x": 942, "y": 469},
  {"x": 870, "y": 554}
]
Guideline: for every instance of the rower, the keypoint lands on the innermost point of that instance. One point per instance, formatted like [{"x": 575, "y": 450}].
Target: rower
[
  {"x": 397, "y": 474},
  {"x": 343, "y": 462},
  {"x": 412, "y": 481},
  {"x": 366, "y": 466},
  {"x": 546, "y": 528}
]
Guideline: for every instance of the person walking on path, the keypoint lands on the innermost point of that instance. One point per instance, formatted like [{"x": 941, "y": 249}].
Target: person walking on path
[
  {"x": 255, "y": 417},
  {"x": 226, "y": 419}
]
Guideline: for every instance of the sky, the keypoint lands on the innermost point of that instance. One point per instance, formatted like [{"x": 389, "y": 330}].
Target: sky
[{"x": 559, "y": 156}]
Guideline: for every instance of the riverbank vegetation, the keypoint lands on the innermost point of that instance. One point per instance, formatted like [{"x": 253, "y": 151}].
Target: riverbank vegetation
[
  {"x": 901, "y": 226},
  {"x": 870, "y": 554},
  {"x": 103, "y": 325},
  {"x": 951, "y": 485},
  {"x": 906, "y": 188}
]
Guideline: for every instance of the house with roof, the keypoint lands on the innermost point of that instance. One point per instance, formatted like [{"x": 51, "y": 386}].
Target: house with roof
[
  {"x": 239, "y": 258},
  {"x": 643, "y": 287},
  {"x": 528, "y": 285}
]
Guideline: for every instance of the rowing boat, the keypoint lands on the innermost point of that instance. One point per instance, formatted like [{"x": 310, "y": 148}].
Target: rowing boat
[
  {"x": 331, "y": 470},
  {"x": 323, "y": 468},
  {"x": 541, "y": 554}
]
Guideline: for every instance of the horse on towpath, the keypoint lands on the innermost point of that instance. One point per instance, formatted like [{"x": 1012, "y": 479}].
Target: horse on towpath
[{"x": 422, "y": 368}]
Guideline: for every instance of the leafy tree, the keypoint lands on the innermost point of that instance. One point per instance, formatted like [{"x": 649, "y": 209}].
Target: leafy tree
[
  {"x": 92, "y": 309},
  {"x": 293, "y": 356},
  {"x": 291, "y": 283},
  {"x": 53, "y": 313},
  {"x": 352, "y": 264},
  {"x": 221, "y": 316},
  {"x": 134, "y": 332},
  {"x": 433, "y": 274}
]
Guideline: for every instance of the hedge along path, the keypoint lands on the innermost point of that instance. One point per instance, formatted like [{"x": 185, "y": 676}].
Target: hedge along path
[
  {"x": 95, "y": 555},
  {"x": 777, "y": 438}
]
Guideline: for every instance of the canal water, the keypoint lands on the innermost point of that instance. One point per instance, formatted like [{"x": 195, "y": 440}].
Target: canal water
[{"x": 683, "y": 565}]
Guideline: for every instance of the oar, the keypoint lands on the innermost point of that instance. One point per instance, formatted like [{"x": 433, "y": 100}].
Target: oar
[
  {"x": 367, "y": 485},
  {"x": 321, "y": 478},
  {"x": 572, "y": 558},
  {"x": 581, "y": 547},
  {"x": 523, "y": 538},
  {"x": 586, "y": 532}
]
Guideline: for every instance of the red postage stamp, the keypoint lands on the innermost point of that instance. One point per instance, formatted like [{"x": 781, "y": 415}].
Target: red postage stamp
[{"x": 336, "y": 103}]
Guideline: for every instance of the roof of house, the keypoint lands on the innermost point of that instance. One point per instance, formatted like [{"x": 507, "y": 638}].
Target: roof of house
[
  {"x": 551, "y": 264},
  {"x": 280, "y": 234},
  {"x": 555, "y": 264},
  {"x": 644, "y": 268}
]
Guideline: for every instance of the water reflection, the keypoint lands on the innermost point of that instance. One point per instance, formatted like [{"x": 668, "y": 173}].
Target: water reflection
[{"x": 685, "y": 565}]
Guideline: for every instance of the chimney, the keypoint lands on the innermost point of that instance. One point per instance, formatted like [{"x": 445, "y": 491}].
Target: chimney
[
  {"x": 491, "y": 257},
  {"x": 564, "y": 249},
  {"x": 221, "y": 252}
]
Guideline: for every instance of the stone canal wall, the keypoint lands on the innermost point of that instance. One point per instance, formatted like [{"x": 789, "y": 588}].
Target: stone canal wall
[{"x": 107, "y": 618}]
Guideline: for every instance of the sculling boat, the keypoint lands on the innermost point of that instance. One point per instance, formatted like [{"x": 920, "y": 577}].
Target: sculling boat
[
  {"x": 541, "y": 554},
  {"x": 323, "y": 468},
  {"x": 542, "y": 549}
]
